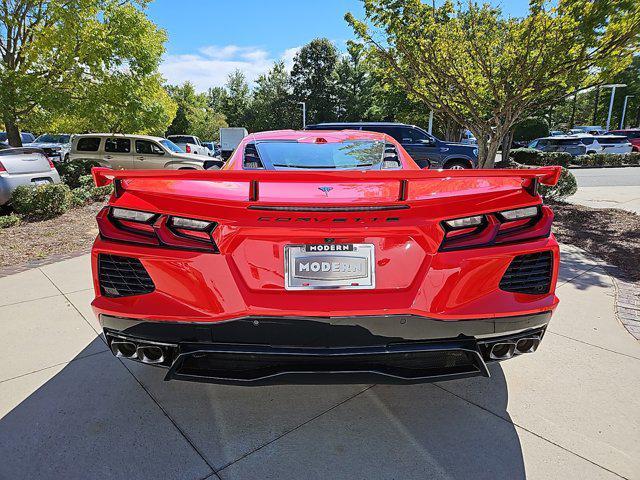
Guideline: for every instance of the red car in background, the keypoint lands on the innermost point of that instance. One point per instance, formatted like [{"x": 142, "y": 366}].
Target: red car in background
[
  {"x": 324, "y": 257},
  {"x": 633, "y": 134}
]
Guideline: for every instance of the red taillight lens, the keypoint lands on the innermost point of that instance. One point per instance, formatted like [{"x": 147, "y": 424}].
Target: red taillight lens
[
  {"x": 497, "y": 228},
  {"x": 187, "y": 148},
  {"x": 2, "y": 169},
  {"x": 148, "y": 228},
  {"x": 51, "y": 165}
]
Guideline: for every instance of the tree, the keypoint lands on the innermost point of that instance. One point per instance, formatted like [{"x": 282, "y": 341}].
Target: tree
[
  {"x": 236, "y": 100},
  {"x": 273, "y": 105},
  {"x": 313, "y": 80},
  {"x": 194, "y": 114},
  {"x": 353, "y": 86},
  {"x": 56, "y": 53},
  {"x": 486, "y": 71}
]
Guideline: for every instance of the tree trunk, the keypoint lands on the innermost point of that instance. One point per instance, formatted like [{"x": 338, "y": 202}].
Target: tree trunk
[
  {"x": 506, "y": 147},
  {"x": 13, "y": 133},
  {"x": 487, "y": 149}
]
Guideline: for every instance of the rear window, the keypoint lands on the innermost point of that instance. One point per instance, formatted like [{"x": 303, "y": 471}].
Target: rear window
[
  {"x": 88, "y": 144},
  {"x": 565, "y": 141},
  {"x": 610, "y": 140},
  {"x": 277, "y": 155},
  {"x": 117, "y": 145},
  {"x": 181, "y": 139}
]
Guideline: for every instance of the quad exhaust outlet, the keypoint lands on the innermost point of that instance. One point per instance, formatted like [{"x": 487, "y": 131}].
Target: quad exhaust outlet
[
  {"x": 507, "y": 349},
  {"x": 140, "y": 351}
]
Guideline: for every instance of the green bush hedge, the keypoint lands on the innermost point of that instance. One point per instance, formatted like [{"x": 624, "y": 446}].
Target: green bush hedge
[
  {"x": 41, "y": 202},
  {"x": 607, "y": 159},
  {"x": 531, "y": 156},
  {"x": 565, "y": 187},
  {"x": 72, "y": 172},
  {"x": 87, "y": 192},
  {"x": 10, "y": 220}
]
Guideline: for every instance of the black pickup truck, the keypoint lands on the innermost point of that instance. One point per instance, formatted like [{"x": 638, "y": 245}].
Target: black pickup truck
[{"x": 425, "y": 149}]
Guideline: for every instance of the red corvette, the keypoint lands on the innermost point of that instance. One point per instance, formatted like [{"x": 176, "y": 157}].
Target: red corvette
[{"x": 324, "y": 257}]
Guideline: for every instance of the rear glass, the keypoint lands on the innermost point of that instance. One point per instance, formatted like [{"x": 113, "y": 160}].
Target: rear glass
[
  {"x": 47, "y": 138},
  {"x": 564, "y": 141},
  {"x": 117, "y": 145},
  {"x": 610, "y": 140},
  {"x": 341, "y": 155},
  {"x": 88, "y": 144},
  {"x": 181, "y": 139}
]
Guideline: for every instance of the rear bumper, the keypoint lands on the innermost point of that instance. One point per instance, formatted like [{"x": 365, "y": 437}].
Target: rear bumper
[
  {"x": 382, "y": 349},
  {"x": 8, "y": 183}
]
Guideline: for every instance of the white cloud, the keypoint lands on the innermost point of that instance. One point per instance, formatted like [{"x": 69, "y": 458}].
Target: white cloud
[{"x": 211, "y": 65}]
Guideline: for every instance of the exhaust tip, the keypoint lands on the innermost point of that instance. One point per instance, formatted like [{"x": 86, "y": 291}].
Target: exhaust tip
[
  {"x": 124, "y": 349},
  {"x": 527, "y": 345},
  {"x": 502, "y": 351},
  {"x": 150, "y": 354}
]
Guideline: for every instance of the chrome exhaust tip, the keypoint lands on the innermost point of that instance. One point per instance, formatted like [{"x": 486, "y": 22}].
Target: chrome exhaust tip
[
  {"x": 502, "y": 350},
  {"x": 150, "y": 354},
  {"x": 527, "y": 345},
  {"x": 124, "y": 349}
]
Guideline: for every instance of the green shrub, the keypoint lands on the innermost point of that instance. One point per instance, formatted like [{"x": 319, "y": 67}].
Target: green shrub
[
  {"x": 87, "y": 192},
  {"x": 41, "y": 202},
  {"x": 609, "y": 159},
  {"x": 71, "y": 172},
  {"x": 565, "y": 187},
  {"x": 633, "y": 158},
  {"x": 531, "y": 156},
  {"x": 10, "y": 220},
  {"x": 530, "y": 129}
]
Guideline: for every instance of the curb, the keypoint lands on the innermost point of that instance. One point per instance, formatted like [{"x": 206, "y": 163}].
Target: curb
[
  {"x": 6, "y": 271},
  {"x": 627, "y": 301}
]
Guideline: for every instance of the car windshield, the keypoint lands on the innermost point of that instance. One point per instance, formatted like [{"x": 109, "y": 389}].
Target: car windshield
[
  {"x": 170, "y": 145},
  {"x": 46, "y": 138},
  {"x": 280, "y": 155}
]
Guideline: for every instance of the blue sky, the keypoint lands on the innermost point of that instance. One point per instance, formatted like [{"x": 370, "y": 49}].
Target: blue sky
[{"x": 208, "y": 39}]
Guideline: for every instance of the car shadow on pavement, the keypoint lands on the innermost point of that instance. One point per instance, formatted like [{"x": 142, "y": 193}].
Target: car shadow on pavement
[{"x": 94, "y": 419}]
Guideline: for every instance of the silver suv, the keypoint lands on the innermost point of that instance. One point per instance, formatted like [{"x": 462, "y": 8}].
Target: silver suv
[{"x": 137, "y": 152}]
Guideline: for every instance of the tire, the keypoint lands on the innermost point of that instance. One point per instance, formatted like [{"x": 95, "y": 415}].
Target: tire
[
  {"x": 457, "y": 165},
  {"x": 591, "y": 152}
]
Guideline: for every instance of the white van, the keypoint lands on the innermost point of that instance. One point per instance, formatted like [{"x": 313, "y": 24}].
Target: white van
[{"x": 230, "y": 138}]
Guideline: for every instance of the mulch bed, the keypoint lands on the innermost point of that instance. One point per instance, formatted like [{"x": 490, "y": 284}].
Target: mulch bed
[
  {"x": 607, "y": 233},
  {"x": 610, "y": 234},
  {"x": 69, "y": 233}
]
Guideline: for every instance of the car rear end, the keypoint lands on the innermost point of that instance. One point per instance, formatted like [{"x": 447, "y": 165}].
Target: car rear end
[
  {"x": 614, "y": 144},
  {"x": 24, "y": 166},
  {"x": 263, "y": 277},
  {"x": 572, "y": 146}
]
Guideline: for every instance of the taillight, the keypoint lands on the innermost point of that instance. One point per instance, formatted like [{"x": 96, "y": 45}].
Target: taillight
[
  {"x": 187, "y": 148},
  {"x": 136, "y": 226},
  {"x": 51, "y": 165},
  {"x": 497, "y": 228},
  {"x": 2, "y": 169}
]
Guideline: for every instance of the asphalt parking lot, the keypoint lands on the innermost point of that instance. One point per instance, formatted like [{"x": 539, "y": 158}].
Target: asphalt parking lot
[{"x": 69, "y": 409}]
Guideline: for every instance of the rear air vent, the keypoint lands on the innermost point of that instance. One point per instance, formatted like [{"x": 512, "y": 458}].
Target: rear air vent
[
  {"x": 122, "y": 276},
  {"x": 391, "y": 160},
  {"x": 251, "y": 159},
  {"x": 529, "y": 274}
]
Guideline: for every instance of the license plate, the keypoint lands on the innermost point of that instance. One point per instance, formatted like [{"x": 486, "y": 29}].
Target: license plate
[
  {"x": 41, "y": 182},
  {"x": 330, "y": 266}
]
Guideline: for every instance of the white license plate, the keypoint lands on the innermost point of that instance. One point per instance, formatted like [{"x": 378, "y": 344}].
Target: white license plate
[
  {"x": 329, "y": 266},
  {"x": 41, "y": 182}
]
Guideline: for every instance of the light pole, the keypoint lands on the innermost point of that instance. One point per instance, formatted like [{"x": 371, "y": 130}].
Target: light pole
[
  {"x": 613, "y": 94},
  {"x": 624, "y": 110},
  {"x": 304, "y": 114}
]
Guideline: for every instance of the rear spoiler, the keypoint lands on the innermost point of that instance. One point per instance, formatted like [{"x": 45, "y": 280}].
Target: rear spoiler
[{"x": 531, "y": 178}]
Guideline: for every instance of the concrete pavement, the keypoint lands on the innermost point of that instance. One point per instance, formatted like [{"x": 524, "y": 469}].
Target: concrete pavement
[
  {"x": 608, "y": 188},
  {"x": 69, "y": 409}
]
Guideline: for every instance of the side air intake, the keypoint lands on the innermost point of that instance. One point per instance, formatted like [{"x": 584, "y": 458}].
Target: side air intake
[{"x": 529, "y": 274}]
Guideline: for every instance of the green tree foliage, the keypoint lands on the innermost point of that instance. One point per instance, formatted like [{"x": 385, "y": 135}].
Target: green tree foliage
[
  {"x": 272, "y": 103},
  {"x": 95, "y": 59},
  {"x": 530, "y": 129},
  {"x": 486, "y": 71},
  {"x": 313, "y": 79},
  {"x": 353, "y": 86},
  {"x": 194, "y": 115},
  {"x": 235, "y": 102}
]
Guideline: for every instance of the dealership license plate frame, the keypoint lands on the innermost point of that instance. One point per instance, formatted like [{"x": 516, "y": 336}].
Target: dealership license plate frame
[{"x": 337, "y": 252}]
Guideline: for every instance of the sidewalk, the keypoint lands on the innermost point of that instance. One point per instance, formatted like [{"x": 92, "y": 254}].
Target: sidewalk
[
  {"x": 622, "y": 197},
  {"x": 69, "y": 409}
]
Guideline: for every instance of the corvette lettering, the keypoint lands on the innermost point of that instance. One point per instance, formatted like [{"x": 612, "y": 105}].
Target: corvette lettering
[{"x": 328, "y": 220}]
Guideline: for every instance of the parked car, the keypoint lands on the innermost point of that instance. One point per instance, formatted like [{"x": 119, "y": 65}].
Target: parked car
[
  {"x": 606, "y": 143},
  {"x": 56, "y": 146},
  {"x": 468, "y": 138},
  {"x": 213, "y": 147},
  {"x": 590, "y": 129},
  {"x": 230, "y": 138},
  {"x": 24, "y": 166},
  {"x": 25, "y": 137},
  {"x": 332, "y": 272},
  {"x": 632, "y": 134},
  {"x": 137, "y": 152},
  {"x": 189, "y": 144},
  {"x": 426, "y": 150},
  {"x": 556, "y": 133},
  {"x": 566, "y": 143}
]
